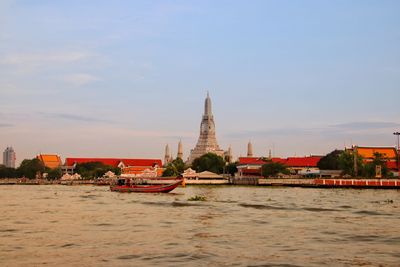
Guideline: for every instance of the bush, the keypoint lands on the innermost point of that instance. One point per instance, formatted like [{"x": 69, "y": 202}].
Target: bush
[
  {"x": 273, "y": 168},
  {"x": 209, "y": 162}
]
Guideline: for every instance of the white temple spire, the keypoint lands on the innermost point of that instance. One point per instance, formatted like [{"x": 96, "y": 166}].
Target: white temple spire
[
  {"x": 180, "y": 150},
  {"x": 207, "y": 141},
  {"x": 250, "y": 149},
  {"x": 167, "y": 157}
]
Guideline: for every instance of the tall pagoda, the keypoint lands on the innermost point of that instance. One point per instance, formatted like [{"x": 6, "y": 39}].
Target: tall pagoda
[{"x": 207, "y": 142}]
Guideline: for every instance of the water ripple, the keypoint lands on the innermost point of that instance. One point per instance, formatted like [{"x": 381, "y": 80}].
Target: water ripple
[
  {"x": 129, "y": 257},
  {"x": 260, "y": 206},
  {"x": 370, "y": 212}
]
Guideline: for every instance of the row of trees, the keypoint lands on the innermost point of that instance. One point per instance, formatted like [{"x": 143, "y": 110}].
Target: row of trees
[
  {"x": 95, "y": 169},
  {"x": 32, "y": 168},
  {"x": 214, "y": 163},
  {"x": 29, "y": 168},
  {"x": 208, "y": 162},
  {"x": 345, "y": 161}
]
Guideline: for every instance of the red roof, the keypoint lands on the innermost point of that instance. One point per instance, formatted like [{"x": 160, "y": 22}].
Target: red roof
[
  {"x": 303, "y": 161},
  {"x": 251, "y": 161},
  {"x": 391, "y": 165},
  {"x": 279, "y": 160},
  {"x": 311, "y": 161},
  {"x": 115, "y": 161}
]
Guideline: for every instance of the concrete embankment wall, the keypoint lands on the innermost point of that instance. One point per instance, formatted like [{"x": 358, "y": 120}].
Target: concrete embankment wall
[{"x": 245, "y": 181}]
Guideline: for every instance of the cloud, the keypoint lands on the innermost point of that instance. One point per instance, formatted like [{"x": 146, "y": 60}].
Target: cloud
[
  {"x": 351, "y": 128},
  {"x": 80, "y": 79},
  {"x": 289, "y": 131},
  {"x": 28, "y": 63},
  {"x": 366, "y": 125},
  {"x": 73, "y": 117},
  {"x": 42, "y": 58},
  {"x": 4, "y": 125}
]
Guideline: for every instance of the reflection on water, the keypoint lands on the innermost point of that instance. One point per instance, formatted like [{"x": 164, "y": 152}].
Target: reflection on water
[{"x": 236, "y": 226}]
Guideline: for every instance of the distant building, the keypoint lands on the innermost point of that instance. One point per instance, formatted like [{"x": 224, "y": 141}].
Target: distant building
[
  {"x": 51, "y": 161},
  {"x": 9, "y": 157},
  {"x": 207, "y": 142},
  {"x": 205, "y": 177},
  {"x": 142, "y": 171},
  {"x": 297, "y": 165},
  {"x": 252, "y": 166}
]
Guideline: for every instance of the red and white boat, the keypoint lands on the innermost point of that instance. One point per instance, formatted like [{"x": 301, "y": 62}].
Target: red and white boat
[{"x": 127, "y": 187}]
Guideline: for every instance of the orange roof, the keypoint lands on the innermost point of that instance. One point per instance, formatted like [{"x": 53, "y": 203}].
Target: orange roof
[
  {"x": 368, "y": 152},
  {"x": 49, "y": 160}
]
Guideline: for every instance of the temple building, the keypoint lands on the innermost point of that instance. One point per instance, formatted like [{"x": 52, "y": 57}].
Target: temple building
[
  {"x": 207, "y": 142},
  {"x": 252, "y": 166},
  {"x": 51, "y": 161}
]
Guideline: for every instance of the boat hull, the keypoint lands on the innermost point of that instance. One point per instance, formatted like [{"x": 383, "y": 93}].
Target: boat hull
[{"x": 165, "y": 188}]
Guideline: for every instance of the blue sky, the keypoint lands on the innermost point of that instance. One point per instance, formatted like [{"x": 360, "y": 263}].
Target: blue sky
[{"x": 124, "y": 78}]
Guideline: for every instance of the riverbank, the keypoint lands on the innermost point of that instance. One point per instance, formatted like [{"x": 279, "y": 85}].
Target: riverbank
[{"x": 250, "y": 181}]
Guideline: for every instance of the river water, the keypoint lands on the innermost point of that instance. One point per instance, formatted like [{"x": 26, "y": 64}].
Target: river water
[{"x": 236, "y": 226}]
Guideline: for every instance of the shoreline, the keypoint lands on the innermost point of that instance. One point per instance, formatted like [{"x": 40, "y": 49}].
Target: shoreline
[{"x": 357, "y": 183}]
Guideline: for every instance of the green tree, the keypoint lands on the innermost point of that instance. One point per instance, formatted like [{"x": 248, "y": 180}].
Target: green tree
[
  {"x": 346, "y": 163},
  {"x": 209, "y": 162},
  {"x": 231, "y": 168},
  {"x": 370, "y": 168},
  {"x": 93, "y": 169},
  {"x": 170, "y": 170},
  {"x": 8, "y": 172},
  {"x": 53, "y": 174},
  {"x": 116, "y": 171},
  {"x": 273, "y": 168},
  {"x": 30, "y": 167},
  {"x": 174, "y": 168},
  {"x": 330, "y": 161}
]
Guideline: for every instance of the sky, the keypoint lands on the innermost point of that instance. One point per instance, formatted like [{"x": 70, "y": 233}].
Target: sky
[{"x": 125, "y": 78}]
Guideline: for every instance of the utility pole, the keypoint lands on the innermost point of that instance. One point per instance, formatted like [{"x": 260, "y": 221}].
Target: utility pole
[
  {"x": 355, "y": 154},
  {"x": 397, "y": 152}
]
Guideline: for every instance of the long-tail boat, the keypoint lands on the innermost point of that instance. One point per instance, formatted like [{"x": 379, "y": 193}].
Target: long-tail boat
[{"x": 127, "y": 187}]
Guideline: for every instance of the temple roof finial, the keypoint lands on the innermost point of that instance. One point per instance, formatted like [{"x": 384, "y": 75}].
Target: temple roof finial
[{"x": 207, "y": 105}]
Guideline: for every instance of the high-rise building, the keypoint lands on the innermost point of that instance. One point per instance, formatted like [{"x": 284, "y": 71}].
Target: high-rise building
[
  {"x": 207, "y": 141},
  {"x": 9, "y": 157}
]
